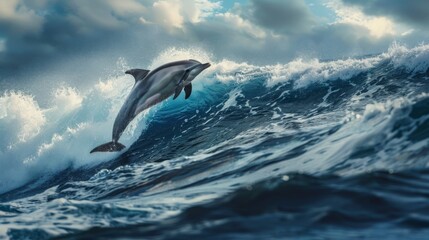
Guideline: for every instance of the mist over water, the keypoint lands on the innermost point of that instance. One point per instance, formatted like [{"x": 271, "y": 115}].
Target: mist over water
[{"x": 315, "y": 148}]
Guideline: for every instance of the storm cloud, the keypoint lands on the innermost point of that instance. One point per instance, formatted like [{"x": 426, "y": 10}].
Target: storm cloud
[
  {"x": 286, "y": 17},
  {"x": 42, "y": 30},
  {"x": 92, "y": 33},
  {"x": 248, "y": 33},
  {"x": 415, "y": 12}
]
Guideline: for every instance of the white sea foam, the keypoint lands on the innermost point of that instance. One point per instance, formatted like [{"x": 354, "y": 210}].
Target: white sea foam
[
  {"x": 20, "y": 117},
  {"x": 415, "y": 60},
  {"x": 38, "y": 142},
  {"x": 304, "y": 72},
  {"x": 232, "y": 99}
]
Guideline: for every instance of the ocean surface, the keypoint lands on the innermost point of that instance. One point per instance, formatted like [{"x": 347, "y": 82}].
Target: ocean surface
[{"x": 308, "y": 149}]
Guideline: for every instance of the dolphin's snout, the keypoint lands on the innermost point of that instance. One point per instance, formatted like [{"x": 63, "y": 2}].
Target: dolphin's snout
[
  {"x": 206, "y": 65},
  {"x": 127, "y": 72}
]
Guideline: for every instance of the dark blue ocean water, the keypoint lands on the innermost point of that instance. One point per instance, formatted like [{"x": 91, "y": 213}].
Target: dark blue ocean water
[{"x": 308, "y": 149}]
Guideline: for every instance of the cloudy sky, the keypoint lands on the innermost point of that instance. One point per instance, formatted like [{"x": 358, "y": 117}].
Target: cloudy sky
[{"x": 42, "y": 34}]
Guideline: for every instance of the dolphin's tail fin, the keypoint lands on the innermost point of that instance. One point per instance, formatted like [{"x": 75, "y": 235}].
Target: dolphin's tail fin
[{"x": 109, "y": 147}]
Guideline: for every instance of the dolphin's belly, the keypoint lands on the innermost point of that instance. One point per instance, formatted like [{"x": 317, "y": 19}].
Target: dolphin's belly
[
  {"x": 155, "y": 96},
  {"x": 164, "y": 86}
]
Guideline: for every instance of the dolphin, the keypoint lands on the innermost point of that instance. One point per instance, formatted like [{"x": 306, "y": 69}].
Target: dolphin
[{"x": 150, "y": 88}]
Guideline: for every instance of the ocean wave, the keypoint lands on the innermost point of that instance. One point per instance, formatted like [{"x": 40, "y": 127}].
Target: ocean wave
[
  {"x": 309, "y": 130},
  {"x": 39, "y": 142}
]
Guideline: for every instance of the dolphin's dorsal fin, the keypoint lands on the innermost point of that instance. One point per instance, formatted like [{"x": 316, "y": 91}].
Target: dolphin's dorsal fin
[{"x": 138, "y": 74}]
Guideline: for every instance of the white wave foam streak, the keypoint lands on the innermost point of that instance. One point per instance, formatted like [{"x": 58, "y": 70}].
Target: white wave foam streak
[
  {"x": 232, "y": 99},
  {"x": 303, "y": 72},
  {"x": 415, "y": 60},
  {"x": 37, "y": 142},
  {"x": 227, "y": 70},
  {"x": 21, "y": 118},
  {"x": 372, "y": 140}
]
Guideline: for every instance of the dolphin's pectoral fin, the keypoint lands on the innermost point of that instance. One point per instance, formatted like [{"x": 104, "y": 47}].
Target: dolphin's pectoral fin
[
  {"x": 177, "y": 91},
  {"x": 138, "y": 74},
  {"x": 188, "y": 90},
  {"x": 109, "y": 147},
  {"x": 184, "y": 77}
]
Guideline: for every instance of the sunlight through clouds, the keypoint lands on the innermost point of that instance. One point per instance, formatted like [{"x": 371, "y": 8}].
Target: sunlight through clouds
[
  {"x": 377, "y": 26},
  {"x": 175, "y": 13}
]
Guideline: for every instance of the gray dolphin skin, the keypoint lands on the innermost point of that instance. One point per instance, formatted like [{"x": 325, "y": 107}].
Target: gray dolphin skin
[{"x": 150, "y": 88}]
